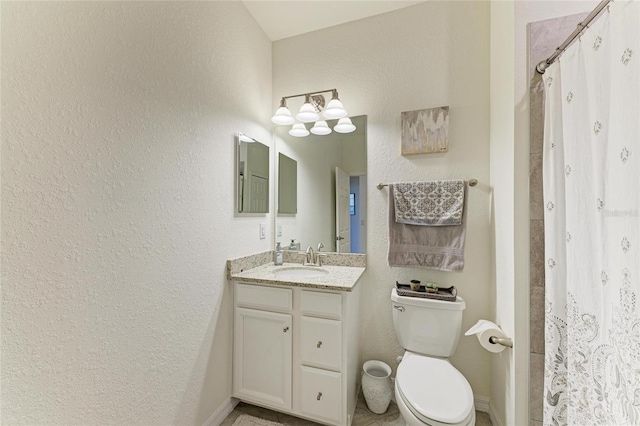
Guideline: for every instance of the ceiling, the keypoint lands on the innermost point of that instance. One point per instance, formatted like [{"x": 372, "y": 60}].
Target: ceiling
[{"x": 282, "y": 19}]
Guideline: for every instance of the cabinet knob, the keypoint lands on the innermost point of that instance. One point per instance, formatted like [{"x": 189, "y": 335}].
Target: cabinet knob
[
  {"x": 319, "y": 396},
  {"x": 284, "y": 330},
  {"x": 319, "y": 344}
]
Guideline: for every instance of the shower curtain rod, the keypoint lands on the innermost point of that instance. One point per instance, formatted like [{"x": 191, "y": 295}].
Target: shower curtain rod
[{"x": 542, "y": 66}]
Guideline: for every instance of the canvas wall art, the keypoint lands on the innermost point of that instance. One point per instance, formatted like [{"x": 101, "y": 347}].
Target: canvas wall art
[{"x": 425, "y": 131}]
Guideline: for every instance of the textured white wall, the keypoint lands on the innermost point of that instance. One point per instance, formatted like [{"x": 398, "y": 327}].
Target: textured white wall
[
  {"x": 502, "y": 174},
  {"x": 118, "y": 122},
  {"x": 428, "y": 55}
]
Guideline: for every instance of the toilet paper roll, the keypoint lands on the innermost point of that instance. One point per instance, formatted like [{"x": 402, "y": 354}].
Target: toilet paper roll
[{"x": 484, "y": 330}]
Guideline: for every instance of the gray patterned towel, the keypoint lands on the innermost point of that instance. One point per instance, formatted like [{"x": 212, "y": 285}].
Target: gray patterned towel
[
  {"x": 432, "y": 247},
  {"x": 437, "y": 203}
]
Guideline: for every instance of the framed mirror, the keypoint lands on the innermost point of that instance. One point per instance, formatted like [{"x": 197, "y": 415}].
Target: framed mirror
[
  {"x": 329, "y": 169},
  {"x": 252, "y": 162}
]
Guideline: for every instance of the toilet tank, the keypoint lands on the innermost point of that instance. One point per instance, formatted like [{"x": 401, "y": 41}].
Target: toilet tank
[{"x": 427, "y": 326}]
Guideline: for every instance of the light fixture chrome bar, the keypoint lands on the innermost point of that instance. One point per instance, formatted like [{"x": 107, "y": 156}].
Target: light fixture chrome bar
[
  {"x": 310, "y": 93},
  {"x": 314, "y": 104},
  {"x": 542, "y": 66},
  {"x": 472, "y": 182}
]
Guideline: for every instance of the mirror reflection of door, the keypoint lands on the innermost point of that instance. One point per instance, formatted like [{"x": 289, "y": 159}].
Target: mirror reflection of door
[
  {"x": 343, "y": 215},
  {"x": 259, "y": 193},
  {"x": 357, "y": 212}
]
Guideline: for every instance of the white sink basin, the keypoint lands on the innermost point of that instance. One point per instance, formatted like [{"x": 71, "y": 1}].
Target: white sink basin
[{"x": 300, "y": 272}]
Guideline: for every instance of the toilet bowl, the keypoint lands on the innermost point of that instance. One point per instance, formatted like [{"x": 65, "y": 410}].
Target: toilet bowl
[{"x": 431, "y": 391}]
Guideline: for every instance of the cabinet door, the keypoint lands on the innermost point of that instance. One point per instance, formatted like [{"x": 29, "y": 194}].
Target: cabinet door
[{"x": 262, "y": 357}]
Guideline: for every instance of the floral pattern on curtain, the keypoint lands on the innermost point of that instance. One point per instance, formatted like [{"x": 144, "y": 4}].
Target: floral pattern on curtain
[{"x": 592, "y": 225}]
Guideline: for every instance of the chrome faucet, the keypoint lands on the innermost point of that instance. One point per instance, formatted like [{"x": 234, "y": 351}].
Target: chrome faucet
[
  {"x": 318, "y": 255},
  {"x": 310, "y": 257}
]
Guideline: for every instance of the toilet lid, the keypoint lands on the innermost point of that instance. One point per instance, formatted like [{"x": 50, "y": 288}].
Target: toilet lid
[{"x": 434, "y": 389}]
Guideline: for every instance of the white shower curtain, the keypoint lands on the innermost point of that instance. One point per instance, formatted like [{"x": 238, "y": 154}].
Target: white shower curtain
[{"x": 592, "y": 225}]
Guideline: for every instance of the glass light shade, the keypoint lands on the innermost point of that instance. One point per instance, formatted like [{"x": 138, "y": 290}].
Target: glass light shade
[
  {"x": 321, "y": 128},
  {"x": 299, "y": 131},
  {"x": 307, "y": 113},
  {"x": 334, "y": 109},
  {"x": 282, "y": 116},
  {"x": 344, "y": 126}
]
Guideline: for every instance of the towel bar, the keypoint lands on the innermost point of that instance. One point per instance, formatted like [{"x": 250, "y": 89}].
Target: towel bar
[{"x": 472, "y": 182}]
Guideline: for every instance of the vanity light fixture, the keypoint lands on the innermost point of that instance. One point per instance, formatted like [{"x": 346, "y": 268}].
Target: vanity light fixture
[
  {"x": 320, "y": 128},
  {"x": 299, "y": 130},
  {"x": 314, "y": 104},
  {"x": 344, "y": 126},
  {"x": 283, "y": 115},
  {"x": 334, "y": 108},
  {"x": 308, "y": 112}
]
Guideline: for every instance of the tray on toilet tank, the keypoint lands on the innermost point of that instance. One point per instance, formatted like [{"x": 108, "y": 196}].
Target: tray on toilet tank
[{"x": 444, "y": 293}]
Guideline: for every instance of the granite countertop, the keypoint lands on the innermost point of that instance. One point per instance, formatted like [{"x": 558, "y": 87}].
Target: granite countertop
[{"x": 340, "y": 278}]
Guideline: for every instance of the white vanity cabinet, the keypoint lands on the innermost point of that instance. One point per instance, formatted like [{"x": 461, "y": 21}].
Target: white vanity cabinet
[{"x": 297, "y": 350}]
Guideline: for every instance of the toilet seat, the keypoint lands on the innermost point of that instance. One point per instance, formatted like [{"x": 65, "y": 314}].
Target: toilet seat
[{"x": 434, "y": 391}]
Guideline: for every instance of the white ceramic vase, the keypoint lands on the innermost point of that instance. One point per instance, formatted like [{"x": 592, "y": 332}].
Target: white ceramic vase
[{"x": 377, "y": 386}]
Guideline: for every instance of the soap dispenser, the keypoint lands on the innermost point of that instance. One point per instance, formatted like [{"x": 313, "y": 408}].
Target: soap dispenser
[
  {"x": 277, "y": 257},
  {"x": 293, "y": 245}
]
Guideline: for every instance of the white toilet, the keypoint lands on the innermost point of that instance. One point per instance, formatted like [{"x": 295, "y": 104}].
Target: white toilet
[{"x": 429, "y": 390}]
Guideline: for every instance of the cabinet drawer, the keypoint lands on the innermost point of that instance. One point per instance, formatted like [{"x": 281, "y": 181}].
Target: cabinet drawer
[
  {"x": 321, "y": 395},
  {"x": 263, "y": 297},
  {"x": 321, "y": 343},
  {"x": 316, "y": 303}
]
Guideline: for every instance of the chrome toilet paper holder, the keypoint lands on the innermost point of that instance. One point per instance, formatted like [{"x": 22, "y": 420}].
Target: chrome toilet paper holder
[
  {"x": 490, "y": 336},
  {"x": 504, "y": 341}
]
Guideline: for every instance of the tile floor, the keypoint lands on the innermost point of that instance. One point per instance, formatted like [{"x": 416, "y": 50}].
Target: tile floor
[{"x": 363, "y": 416}]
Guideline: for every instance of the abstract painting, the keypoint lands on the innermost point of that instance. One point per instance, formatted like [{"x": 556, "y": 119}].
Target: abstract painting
[{"x": 425, "y": 131}]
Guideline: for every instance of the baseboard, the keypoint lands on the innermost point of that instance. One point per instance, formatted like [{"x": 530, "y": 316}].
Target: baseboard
[
  {"x": 493, "y": 416},
  {"x": 222, "y": 412},
  {"x": 481, "y": 403}
]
